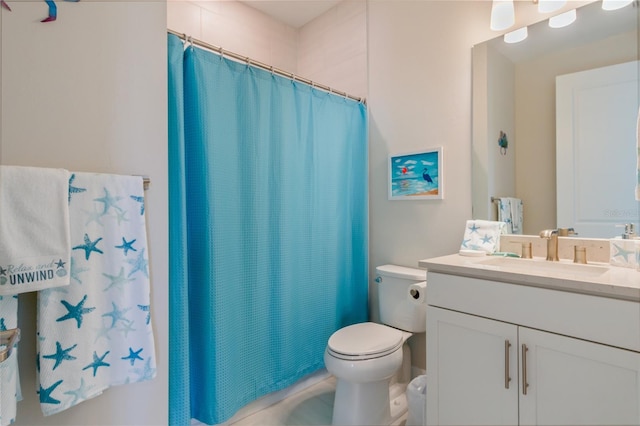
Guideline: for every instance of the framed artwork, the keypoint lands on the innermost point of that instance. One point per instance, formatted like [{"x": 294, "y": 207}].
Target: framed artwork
[{"x": 416, "y": 175}]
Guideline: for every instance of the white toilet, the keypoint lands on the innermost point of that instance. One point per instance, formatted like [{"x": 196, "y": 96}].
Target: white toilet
[{"x": 372, "y": 362}]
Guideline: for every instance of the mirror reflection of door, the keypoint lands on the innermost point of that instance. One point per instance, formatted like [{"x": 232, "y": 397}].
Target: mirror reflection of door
[{"x": 596, "y": 151}]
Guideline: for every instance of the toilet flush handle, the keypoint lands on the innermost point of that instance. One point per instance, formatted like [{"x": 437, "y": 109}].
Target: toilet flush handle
[{"x": 378, "y": 279}]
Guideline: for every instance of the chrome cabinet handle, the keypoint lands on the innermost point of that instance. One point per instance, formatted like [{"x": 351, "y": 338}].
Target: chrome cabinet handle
[
  {"x": 507, "y": 379},
  {"x": 525, "y": 385}
]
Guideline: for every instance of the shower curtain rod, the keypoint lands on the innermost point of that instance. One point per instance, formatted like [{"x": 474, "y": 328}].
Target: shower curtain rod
[{"x": 220, "y": 51}]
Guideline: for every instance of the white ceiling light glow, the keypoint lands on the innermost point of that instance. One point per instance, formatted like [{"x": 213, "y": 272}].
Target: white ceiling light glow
[
  {"x": 516, "y": 36},
  {"x": 502, "y": 15},
  {"x": 563, "y": 19},
  {"x": 615, "y": 4}
]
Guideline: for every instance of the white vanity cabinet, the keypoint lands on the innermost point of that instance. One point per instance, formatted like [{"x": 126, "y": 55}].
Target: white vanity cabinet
[{"x": 510, "y": 354}]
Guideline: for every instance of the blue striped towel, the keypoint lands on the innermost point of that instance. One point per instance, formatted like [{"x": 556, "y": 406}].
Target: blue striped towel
[{"x": 96, "y": 332}]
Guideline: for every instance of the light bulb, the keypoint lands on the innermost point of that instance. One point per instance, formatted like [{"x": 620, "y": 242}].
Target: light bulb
[
  {"x": 502, "y": 15},
  {"x": 615, "y": 4},
  {"x": 562, "y": 20},
  {"x": 516, "y": 36}
]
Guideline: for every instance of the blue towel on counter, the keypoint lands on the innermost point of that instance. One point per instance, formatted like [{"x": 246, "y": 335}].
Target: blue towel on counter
[
  {"x": 9, "y": 377},
  {"x": 510, "y": 212},
  {"x": 482, "y": 236},
  {"x": 96, "y": 332}
]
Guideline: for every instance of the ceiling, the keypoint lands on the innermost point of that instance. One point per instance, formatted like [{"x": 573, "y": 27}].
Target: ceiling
[
  {"x": 592, "y": 23},
  {"x": 295, "y": 13}
]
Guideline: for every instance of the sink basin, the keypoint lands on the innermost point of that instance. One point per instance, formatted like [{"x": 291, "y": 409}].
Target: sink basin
[{"x": 543, "y": 267}]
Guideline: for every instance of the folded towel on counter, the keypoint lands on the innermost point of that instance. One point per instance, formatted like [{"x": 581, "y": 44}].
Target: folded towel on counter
[
  {"x": 624, "y": 252},
  {"x": 96, "y": 332},
  {"x": 482, "y": 236},
  {"x": 9, "y": 377},
  {"x": 510, "y": 212},
  {"x": 34, "y": 229}
]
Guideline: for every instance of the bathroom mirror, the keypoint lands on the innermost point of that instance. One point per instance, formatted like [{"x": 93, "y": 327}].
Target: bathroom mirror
[{"x": 514, "y": 92}]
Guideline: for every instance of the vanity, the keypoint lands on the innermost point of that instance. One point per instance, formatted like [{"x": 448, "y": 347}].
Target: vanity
[{"x": 515, "y": 341}]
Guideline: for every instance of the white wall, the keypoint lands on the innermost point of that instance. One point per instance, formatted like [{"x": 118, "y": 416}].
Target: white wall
[
  {"x": 493, "y": 170},
  {"x": 329, "y": 50},
  {"x": 88, "y": 93},
  {"x": 332, "y": 49}
]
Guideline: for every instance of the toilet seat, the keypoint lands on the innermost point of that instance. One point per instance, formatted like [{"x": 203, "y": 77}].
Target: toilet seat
[{"x": 364, "y": 341}]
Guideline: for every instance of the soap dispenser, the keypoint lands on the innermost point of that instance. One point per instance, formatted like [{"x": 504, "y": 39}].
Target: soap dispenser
[{"x": 629, "y": 231}]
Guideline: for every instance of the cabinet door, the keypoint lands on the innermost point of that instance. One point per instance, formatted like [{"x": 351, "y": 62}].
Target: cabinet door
[
  {"x": 468, "y": 358},
  {"x": 573, "y": 382}
]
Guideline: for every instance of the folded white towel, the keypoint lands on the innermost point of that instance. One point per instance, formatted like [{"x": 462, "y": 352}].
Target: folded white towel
[
  {"x": 483, "y": 235},
  {"x": 510, "y": 212},
  {"x": 9, "y": 377},
  {"x": 96, "y": 332},
  {"x": 34, "y": 229},
  {"x": 624, "y": 252}
]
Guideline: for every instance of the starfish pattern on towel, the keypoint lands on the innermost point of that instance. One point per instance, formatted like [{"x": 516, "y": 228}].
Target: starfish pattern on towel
[
  {"x": 75, "y": 311},
  {"x": 61, "y": 355},
  {"x": 109, "y": 201},
  {"x": 89, "y": 246},
  {"x": 117, "y": 280},
  {"x": 133, "y": 355},
  {"x": 127, "y": 245},
  {"x": 98, "y": 361},
  {"x": 74, "y": 189},
  {"x": 79, "y": 394},
  {"x": 117, "y": 315},
  {"x": 45, "y": 394},
  {"x": 139, "y": 264}
]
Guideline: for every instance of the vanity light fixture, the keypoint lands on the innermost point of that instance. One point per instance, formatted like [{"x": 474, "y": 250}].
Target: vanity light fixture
[
  {"x": 502, "y": 15},
  {"x": 562, "y": 20},
  {"x": 548, "y": 6},
  {"x": 615, "y": 4},
  {"x": 516, "y": 36}
]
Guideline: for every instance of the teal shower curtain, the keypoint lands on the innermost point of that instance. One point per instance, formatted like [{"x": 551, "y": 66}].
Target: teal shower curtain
[{"x": 268, "y": 230}]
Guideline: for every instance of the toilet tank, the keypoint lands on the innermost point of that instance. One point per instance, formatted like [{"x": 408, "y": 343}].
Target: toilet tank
[{"x": 396, "y": 306}]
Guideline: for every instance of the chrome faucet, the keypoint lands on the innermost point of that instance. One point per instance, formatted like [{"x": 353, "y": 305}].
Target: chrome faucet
[{"x": 551, "y": 235}]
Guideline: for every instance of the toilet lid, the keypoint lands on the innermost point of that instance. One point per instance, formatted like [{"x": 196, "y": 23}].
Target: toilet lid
[{"x": 365, "y": 339}]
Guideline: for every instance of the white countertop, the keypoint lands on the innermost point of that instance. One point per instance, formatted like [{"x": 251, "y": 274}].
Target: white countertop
[{"x": 599, "y": 279}]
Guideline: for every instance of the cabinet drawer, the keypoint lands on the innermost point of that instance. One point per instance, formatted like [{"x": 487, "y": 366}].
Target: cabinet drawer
[{"x": 610, "y": 321}]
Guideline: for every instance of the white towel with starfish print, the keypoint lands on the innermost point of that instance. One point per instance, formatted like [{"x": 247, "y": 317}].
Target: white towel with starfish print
[
  {"x": 34, "y": 229},
  {"x": 482, "y": 236},
  {"x": 9, "y": 376},
  {"x": 96, "y": 332}
]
